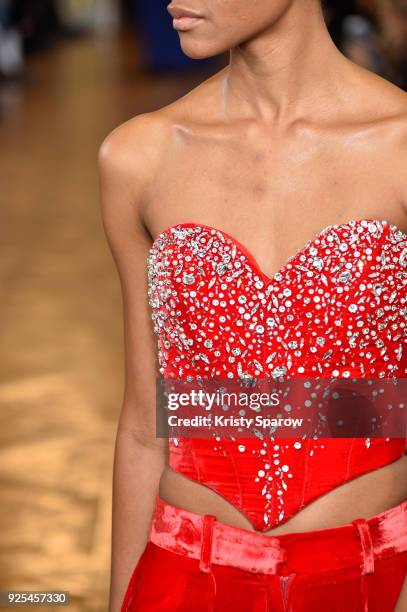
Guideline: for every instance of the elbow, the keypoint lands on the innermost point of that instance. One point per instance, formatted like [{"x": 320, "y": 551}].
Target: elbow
[{"x": 143, "y": 438}]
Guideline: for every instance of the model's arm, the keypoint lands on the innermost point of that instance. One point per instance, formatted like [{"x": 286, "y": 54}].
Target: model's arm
[{"x": 124, "y": 171}]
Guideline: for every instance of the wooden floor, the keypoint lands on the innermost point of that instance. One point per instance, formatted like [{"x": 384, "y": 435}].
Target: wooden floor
[{"x": 61, "y": 356}]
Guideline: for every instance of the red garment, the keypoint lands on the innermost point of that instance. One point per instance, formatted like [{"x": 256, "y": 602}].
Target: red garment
[
  {"x": 337, "y": 308},
  {"x": 193, "y": 563}
]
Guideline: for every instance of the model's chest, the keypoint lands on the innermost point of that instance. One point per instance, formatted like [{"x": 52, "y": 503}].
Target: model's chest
[
  {"x": 304, "y": 178},
  {"x": 337, "y": 304}
]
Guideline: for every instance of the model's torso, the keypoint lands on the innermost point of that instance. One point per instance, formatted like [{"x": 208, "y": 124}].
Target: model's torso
[
  {"x": 273, "y": 190},
  {"x": 365, "y": 496}
]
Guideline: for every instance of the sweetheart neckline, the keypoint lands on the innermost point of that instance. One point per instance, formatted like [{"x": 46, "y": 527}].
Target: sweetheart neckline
[{"x": 266, "y": 278}]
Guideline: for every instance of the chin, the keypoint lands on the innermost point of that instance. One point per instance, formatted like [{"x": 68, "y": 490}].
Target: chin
[{"x": 199, "y": 50}]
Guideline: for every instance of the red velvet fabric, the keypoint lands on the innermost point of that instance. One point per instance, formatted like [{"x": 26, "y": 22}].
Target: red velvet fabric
[{"x": 193, "y": 563}]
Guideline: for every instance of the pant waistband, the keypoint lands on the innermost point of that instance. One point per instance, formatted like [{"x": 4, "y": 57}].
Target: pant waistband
[{"x": 202, "y": 537}]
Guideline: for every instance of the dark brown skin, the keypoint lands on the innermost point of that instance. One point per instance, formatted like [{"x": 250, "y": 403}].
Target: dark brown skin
[{"x": 289, "y": 138}]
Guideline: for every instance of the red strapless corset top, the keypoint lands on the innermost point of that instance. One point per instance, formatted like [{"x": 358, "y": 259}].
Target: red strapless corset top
[{"x": 336, "y": 309}]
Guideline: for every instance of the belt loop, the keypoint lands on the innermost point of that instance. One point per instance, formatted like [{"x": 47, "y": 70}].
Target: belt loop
[
  {"x": 367, "y": 545},
  {"x": 368, "y": 558},
  {"x": 206, "y": 542}
]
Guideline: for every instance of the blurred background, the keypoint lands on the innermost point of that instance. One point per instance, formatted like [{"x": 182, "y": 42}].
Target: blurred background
[{"x": 71, "y": 71}]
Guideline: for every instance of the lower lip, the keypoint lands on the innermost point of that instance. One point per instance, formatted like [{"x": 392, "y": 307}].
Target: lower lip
[{"x": 183, "y": 24}]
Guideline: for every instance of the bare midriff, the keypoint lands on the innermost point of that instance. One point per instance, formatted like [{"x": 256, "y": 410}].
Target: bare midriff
[{"x": 362, "y": 497}]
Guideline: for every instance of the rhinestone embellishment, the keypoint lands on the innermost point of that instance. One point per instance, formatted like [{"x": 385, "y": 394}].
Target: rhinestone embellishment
[{"x": 337, "y": 308}]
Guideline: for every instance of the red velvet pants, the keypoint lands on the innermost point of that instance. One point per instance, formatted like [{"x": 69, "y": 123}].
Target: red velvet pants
[{"x": 193, "y": 563}]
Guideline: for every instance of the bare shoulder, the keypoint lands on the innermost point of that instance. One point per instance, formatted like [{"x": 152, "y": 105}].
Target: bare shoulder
[
  {"x": 135, "y": 150},
  {"x": 382, "y": 107},
  {"x": 392, "y": 105},
  {"x": 147, "y": 133},
  {"x": 127, "y": 162},
  {"x": 390, "y": 135},
  {"x": 382, "y": 103},
  {"x": 391, "y": 124}
]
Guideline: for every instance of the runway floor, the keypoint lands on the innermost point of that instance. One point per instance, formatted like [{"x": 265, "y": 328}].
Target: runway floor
[{"x": 61, "y": 329}]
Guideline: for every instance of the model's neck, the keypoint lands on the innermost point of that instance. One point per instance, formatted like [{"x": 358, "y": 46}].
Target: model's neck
[{"x": 282, "y": 71}]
